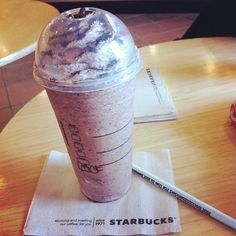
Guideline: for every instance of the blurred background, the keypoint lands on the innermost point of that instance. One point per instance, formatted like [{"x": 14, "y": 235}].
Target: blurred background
[{"x": 150, "y": 22}]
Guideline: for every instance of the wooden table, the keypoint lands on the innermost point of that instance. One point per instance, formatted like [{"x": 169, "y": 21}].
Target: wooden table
[
  {"x": 201, "y": 76},
  {"x": 21, "y": 22}
]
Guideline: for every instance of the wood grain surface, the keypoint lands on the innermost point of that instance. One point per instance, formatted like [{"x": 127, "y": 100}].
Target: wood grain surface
[{"x": 201, "y": 76}]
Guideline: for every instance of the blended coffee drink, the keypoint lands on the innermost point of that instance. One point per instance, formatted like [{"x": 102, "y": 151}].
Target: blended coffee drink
[{"x": 87, "y": 61}]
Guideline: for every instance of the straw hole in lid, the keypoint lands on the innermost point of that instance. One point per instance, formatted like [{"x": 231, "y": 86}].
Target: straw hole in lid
[{"x": 82, "y": 13}]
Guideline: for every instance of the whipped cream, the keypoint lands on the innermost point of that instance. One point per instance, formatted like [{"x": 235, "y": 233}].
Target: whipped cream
[{"x": 85, "y": 49}]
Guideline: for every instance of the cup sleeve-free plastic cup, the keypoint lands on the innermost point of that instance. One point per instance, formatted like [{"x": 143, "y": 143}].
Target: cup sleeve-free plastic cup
[{"x": 87, "y": 61}]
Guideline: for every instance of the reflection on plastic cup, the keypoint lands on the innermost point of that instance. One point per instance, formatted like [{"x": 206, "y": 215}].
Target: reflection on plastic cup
[{"x": 87, "y": 61}]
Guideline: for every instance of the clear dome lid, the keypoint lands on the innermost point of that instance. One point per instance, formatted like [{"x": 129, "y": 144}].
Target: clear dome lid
[{"x": 85, "y": 49}]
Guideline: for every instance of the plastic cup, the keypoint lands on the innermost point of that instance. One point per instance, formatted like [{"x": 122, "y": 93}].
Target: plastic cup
[{"x": 87, "y": 61}]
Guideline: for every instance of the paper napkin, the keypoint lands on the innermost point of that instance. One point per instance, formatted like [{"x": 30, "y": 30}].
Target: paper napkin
[{"x": 59, "y": 208}]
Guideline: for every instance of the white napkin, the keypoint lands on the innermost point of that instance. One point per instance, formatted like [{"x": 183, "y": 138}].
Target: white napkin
[{"x": 59, "y": 208}]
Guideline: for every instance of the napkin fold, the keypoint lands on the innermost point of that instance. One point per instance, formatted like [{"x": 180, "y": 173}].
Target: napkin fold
[{"x": 59, "y": 208}]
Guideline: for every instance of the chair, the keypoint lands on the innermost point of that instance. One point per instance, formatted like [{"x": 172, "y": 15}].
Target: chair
[{"x": 21, "y": 22}]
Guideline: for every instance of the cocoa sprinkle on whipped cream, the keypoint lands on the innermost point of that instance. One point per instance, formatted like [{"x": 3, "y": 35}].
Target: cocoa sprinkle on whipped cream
[{"x": 84, "y": 44}]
